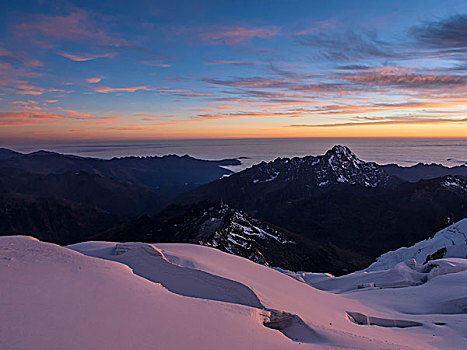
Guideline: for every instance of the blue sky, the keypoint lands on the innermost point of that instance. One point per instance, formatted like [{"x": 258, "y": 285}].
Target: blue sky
[{"x": 201, "y": 69}]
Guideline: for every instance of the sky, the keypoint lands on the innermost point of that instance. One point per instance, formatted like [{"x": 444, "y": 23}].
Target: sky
[{"x": 121, "y": 70}]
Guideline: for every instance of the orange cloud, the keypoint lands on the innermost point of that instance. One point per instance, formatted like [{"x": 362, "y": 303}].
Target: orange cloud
[
  {"x": 156, "y": 64},
  {"x": 323, "y": 109},
  {"x": 29, "y": 92},
  {"x": 206, "y": 117},
  {"x": 414, "y": 120},
  {"x": 248, "y": 82},
  {"x": 75, "y": 114},
  {"x": 104, "y": 120},
  {"x": 27, "y": 118},
  {"x": 24, "y": 102},
  {"x": 104, "y": 89},
  {"x": 28, "y": 105},
  {"x": 84, "y": 58},
  {"x": 24, "y": 118},
  {"x": 27, "y": 87},
  {"x": 93, "y": 80},
  {"x": 391, "y": 77}
]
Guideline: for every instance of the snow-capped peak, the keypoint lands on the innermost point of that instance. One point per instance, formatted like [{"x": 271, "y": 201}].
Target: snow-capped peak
[
  {"x": 342, "y": 154},
  {"x": 338, "y": 165},
  {"x": 341, "y": 165}
]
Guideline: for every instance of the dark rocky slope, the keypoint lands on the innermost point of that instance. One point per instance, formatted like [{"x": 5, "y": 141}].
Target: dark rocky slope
[
  {"x": 51, "y": 219},
  {"x": 339, "y": 199},
  {"x": 233, "y": 231}
]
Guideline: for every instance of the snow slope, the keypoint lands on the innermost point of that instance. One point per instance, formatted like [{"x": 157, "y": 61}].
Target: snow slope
[
  {"x": 438, "y": 302},
  {"x": 448, "y": 243},
  {"x": 103, "y": 295},
  {"x": 56, "y": 298}
]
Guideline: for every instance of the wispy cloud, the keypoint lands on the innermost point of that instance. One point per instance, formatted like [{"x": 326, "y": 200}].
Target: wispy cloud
[
  {"x": 317, "y": 27},
  {"x": 238, "y": 35},
  {"x": 87, "y": 117},
  {"x": 183, "y": 92},
  {"x": 22, "y": 87},
  {"x": 75, "y": 26},
  {"x": 403, "y": 78},
  {"x": 94, "y": 80},
  {"x": 29, "y": 92},
  {"x": 156, "y": 64},
  {"x": 405, "y": 120},
  {"x": 30, "y": 105},
  {"x": 448, "y": 33},
  {"x": 29, "y": 89},
  {"x": 436, "y": 39},
  {"x": 9, "y": 57},
  {"x": 86, "y": 57},
  {"x": 232, "y": 62},
  {"x": 263, "y": 114},
  {"x": 106, "y": 89},
  {"x": 33, "y": 63},
  {"x": 15, "y": 64},
  {"x": 8, "y": 118},
  {"x": 349, "y": 45},
  {"x": 247, "y": 82}
]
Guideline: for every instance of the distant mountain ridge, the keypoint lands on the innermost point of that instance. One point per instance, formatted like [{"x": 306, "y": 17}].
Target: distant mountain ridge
[
  {"x": 66, "y": 198},
  {"x": 139, "y": 184},
  {"x": 8, "y": 153},
  {"x": 422, "y": 171},
  {"x": 167, "y": 173}
]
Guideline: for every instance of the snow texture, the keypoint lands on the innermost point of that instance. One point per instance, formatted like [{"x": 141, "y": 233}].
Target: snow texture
[
  {"x": 104, "y": 295},
  {"x": 448, "y": 243}
]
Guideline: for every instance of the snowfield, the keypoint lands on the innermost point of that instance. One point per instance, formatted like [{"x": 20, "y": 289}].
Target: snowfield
[
  {"x": 447, "y": 243},
  {"x": 104, "y": 295}
]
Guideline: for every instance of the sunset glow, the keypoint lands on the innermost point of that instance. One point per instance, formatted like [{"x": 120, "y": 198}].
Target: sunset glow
[{"x": 115, "y": 70}]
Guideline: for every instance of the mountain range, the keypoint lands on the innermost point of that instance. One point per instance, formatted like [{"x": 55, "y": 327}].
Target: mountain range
[
  {"x": 338, "y": 199},
  {"x": 149, "y": 180},
  {"x": 333, "y": 213},
  {"x": 167, "y": 173}
]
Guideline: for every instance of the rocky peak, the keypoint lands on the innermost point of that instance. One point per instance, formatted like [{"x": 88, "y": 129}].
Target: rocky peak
[
  {"x": 42, "y": 153},
  {"x": 340, "y": 155},
  {"x": 223, "y": 227},
  {"x": 341, "y": 165},
  {"x": 454, "y": 183},
  {"x": 337, "y": 166}
]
